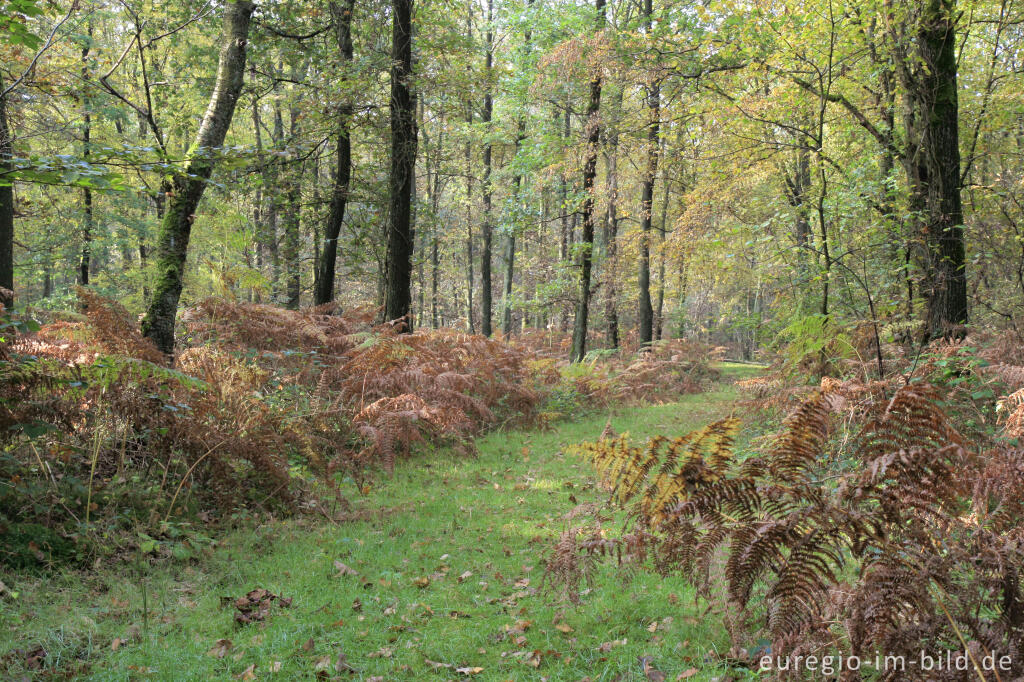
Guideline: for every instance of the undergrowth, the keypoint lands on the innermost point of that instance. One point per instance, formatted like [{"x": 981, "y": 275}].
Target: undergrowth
[
  {"x": 870, "y": 526},
  {"x": 109, "y": 449}
]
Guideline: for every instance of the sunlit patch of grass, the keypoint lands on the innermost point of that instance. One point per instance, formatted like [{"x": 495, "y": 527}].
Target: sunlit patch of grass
[{"x": 452, "y": 580}]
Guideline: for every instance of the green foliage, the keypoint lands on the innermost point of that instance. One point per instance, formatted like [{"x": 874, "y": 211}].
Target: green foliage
[{"x": 13, "y": 28}]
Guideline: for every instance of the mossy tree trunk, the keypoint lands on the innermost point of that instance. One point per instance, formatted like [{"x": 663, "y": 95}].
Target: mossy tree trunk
[
  {"x": 928, "y": 74},
  {"x": 593, "y": 133},
  {"x": 187, "y": 187}
]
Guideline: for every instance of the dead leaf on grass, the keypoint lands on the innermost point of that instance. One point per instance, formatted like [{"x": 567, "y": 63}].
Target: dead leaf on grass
[
  {"x": 220, "y": 649},
  {"x": 247, "y": 674},
  {"x": 344, "y": 570},
  {"x": 652, "y": 674},
  {"x": 255, "y": 605},
  {"x": 435, "y": 665},
  {"x": 607, "y": 646}
]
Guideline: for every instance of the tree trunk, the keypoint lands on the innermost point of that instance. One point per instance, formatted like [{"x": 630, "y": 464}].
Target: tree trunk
[
  {"x": 937, "y": 100},
  {"x": 646, "y": 312},
  {"x": 470, "y": 324},
  {"x": 6, "y": 206},
  {"x": 565, "y": 236},
  {"x": 272, "y": 179},
  {"x": 486, "y": 229},
  {"x": 87, "y": 217},
  {"x": 188, "y": 187},
  {"x": 593, "y": 131},
  {"x": 342, "y": 15},
  {"x": 435, "y": 204},
  {"x": 659, "y": 310},
  {"x": 293, "y": 213},
  {"x": 398, "y": 289},
  {"x": 510, "y": 245},
  {"x": 611, "y": 225}
]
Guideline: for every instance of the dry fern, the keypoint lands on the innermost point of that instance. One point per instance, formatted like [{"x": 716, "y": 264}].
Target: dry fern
[{"x": 914, "y": 547}]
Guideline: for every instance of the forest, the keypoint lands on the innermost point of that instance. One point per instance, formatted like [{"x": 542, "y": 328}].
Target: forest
[{"x": 511, "y": 340}]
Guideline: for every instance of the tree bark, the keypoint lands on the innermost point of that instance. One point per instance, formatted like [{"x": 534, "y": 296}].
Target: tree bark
[
  {"x": 487, "y": 229},
  {"x": 188, "y": 187},
  {"x": 470, "y": 324},
  {"x": 931, "y": 161},
  {"x": 342, "y": 14},
  {"x": 6, "y": 206},
  {"x": 398, "y": 288},
  {"x": 87, "y": 216},
  {"x": 293, "y": 212},
  {"x": 659, "y": 310},
  {"x": 938, "y": 102},
  {"x": 646, "y": 311},
  {"x": 611, "y": 225},
  {"x": 593, "y": 131}
]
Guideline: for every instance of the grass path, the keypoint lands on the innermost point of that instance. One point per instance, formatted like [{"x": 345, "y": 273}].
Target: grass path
[{"x": 449, "y": 578}]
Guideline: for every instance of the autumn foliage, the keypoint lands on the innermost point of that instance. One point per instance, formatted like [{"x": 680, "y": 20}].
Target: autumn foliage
[
  {"x": 870, "y": 524},
  {"x": 263, "y": 409}
]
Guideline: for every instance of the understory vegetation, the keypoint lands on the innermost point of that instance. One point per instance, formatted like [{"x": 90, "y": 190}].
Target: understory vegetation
[{"x": 107, "y": 450}]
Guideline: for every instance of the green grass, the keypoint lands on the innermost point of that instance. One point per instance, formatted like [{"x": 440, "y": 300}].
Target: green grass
[{"x": 490, "y": 518}]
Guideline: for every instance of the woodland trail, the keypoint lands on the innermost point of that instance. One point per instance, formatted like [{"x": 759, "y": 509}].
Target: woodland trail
[{"x": 441, "y": 580}]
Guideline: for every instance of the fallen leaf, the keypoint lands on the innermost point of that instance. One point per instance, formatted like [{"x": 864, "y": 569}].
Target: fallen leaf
[
  {"x": 221, "y": 648},
  {"x": 308, "y": 645},
  {"x": 116, "y": 644},
  {"x": 475, "y": 670},
  {"x": 344, "y": 570},
  {"x": 687, "y": 674},
  {"x": 520, "y": 627},
  {"x": 247, "y": 674},
  {"x": 421, "y": 582},
  {"x": 650, "y": 672},
  {"x": 465, "y": 576},
  {"x": 652, "y": 627},
  {"x": 435, "y": 665},
  {"x": 275, "y": 667},
  {"x": 341, "y": 664},
  {"x": 564, "y": 627},
  {"x": 607, "y": 646},
  {"x": 383, "y": 652}
]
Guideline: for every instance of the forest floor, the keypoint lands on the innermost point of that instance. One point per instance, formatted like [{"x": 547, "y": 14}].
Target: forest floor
[{"x": 440, "y": 578}]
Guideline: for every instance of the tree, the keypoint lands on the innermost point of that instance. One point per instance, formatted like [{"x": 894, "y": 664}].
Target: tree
[
  {"x": 592, "y": 128},
  {"x": 487, "y": 229},
  {"x": 6, "y": 205},
  {"x": 932, "y": 161},
  {"x": 341, "y": 13},
  {"x": 653, "y": 88},
  {"x": 398, "y": 284},
  {"x": 187, "y": 186}
]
